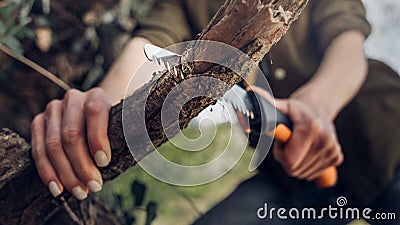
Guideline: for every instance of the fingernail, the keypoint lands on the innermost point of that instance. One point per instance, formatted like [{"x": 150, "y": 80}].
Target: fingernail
[
  {"x": 94, "y": 186},
  {"x": 101, "y": 159},
  {"x": 79, "y": 193},
  {"x": 54, "y": 190}
]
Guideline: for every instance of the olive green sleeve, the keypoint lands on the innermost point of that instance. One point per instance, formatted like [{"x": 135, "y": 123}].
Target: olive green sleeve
[
  {"x": 165, "y": 25},
  {"x": 331, "y": 18}
]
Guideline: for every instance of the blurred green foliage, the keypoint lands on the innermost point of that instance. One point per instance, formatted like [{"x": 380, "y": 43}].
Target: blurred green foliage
[{"x": 14, "y": 18}]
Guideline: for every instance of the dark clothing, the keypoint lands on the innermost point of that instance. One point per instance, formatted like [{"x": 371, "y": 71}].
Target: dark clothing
[{"x": 367, "y": 128}]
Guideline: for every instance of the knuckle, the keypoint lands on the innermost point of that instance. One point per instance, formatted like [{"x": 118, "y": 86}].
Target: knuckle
[
  {"x": 96, "y": 106},
  {"x": 316, "y": 127},
  {"x": 97, "y": 91},
  {"x": 71, "y": 134},
  {"x": 331, "y": 151},
  {"x": 52, "y": 105},
  {"x": 71, "y": 95},
  {"x": 53, "y": 146},
  {"x": 336, "y": 149},
  {"x": 326, "y": 138}
]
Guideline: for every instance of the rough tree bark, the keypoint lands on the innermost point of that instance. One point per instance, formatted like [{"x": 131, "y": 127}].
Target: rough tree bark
[{"x": 252, "y": 26}]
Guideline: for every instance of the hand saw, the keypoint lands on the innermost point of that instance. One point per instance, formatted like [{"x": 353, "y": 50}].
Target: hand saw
[{"x": 250, "y": 104}]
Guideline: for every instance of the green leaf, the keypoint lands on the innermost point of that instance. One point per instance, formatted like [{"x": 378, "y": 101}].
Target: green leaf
[{"x": 13, "y": 43}]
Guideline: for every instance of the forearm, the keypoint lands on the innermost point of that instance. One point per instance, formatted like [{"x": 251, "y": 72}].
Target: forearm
[
  {"x": 339, "y": 77},
  {"x": 120, "y": 74}
]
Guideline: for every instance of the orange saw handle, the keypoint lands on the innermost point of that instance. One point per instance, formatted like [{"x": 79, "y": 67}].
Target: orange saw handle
[
  {"x": 283, "y": 132},
  {"x": 328, "y": 177}
]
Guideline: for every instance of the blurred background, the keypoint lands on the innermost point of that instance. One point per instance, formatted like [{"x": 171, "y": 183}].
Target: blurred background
[{"x": 383, "y": 43}]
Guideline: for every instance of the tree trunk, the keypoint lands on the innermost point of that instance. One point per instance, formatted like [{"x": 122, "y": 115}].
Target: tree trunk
[{"x": 252, "y": 26}]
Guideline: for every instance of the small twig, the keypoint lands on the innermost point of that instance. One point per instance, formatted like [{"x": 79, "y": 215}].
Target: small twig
[
  {"x": 36, "y": 67},
  {"x": 71, "y": 213}
]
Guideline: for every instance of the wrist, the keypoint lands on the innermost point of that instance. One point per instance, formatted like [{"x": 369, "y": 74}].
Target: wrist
[
  {"x": 317, "y": 101},
  {"x": 339, "y": 77}
]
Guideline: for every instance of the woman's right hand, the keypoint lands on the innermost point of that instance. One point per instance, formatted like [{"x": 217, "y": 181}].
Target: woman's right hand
[{"x": 69, "y": 139}]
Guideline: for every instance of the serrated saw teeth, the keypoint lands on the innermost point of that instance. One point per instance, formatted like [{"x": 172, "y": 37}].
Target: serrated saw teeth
[{"x": 252, "y": 115}]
